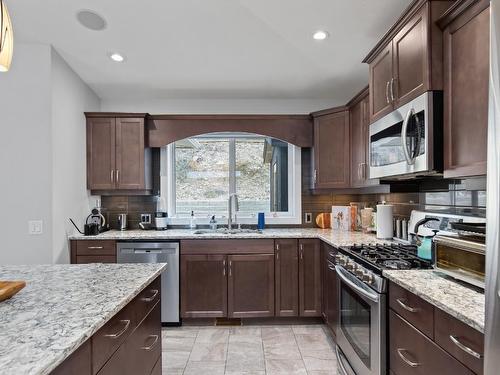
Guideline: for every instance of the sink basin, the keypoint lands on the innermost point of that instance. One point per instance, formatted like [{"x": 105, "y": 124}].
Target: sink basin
[{"x": 226, "y": 231}]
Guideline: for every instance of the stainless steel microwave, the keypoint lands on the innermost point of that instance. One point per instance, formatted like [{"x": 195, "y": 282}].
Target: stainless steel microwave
[{"x": 408, "y": 141}]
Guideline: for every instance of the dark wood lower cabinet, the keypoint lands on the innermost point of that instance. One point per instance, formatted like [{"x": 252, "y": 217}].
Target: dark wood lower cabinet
[
  {"x": 330, "y": 291},
  {"x": 309, "y": 277},
  {"x": 287, "y": 277},
  {"x": 128, "y": 344},
  {"x": 251, "y": 286},
  {"x": 203, "y": 286}
]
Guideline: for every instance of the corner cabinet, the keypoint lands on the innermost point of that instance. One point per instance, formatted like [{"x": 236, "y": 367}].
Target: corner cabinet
[
  {"x": 466, "y": 28},
  {"x": 117, "y": 157},
  {"x": 331, "y": 150},
  {"x": 408, "y": 61}
]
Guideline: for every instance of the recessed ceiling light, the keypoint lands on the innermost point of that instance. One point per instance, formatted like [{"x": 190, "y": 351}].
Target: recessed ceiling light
[
  {"x": 320, "y": 35},
  {"x": 116, "y": 57},
  {"x": 91, "y": 20}
]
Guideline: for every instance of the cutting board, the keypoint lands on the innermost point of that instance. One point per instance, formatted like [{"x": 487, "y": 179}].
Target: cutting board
[
  {"x": 323, "y": 220},
  {"x": 10, "y": 288}
]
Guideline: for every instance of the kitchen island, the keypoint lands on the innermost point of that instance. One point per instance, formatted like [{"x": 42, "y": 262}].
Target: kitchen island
[{"x": 63, "y": 306}]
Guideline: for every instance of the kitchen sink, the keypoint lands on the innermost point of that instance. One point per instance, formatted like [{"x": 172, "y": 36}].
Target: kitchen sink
[{"x": 226, "y": 231}]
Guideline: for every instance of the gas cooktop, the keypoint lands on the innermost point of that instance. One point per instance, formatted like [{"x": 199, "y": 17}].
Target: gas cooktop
[{"x": 392, "y": 256}]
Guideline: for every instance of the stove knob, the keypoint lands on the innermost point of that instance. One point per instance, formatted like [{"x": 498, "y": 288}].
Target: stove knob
[
  {"x": 359, "y": 273},
  {"x": 368, "y": 278},
  {"x": 350, "y": 266}
]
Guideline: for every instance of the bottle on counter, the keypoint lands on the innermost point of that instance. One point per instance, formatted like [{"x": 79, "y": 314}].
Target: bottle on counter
[
  {"x": 192, "y": 222},
  {"x": 213, "y": 223}
]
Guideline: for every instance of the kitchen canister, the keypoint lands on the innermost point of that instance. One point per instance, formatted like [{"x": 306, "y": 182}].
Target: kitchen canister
[{"x": 385, "y": 227}]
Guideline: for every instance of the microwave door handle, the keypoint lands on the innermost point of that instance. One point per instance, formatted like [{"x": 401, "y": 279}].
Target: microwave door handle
[{"x": 404, "y": 133}]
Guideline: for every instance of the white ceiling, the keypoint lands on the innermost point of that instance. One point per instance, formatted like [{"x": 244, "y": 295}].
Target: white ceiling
[{"x": 213, "y": 48}]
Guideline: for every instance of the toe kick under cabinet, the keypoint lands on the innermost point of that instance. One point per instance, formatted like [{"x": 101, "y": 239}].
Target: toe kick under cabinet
[
  {"x": 250, "y": 278},
  {"x": 129, "y": 343},
  {"x": 425, "y": 340}
]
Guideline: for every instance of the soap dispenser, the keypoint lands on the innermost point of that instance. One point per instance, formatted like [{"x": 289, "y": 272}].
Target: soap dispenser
[{"x": 192, "y": 222}]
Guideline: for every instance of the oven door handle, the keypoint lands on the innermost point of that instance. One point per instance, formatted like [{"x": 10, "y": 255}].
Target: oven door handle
[
  {"x": 364, "y": 293},
  {"x": 404, "y": 134}
]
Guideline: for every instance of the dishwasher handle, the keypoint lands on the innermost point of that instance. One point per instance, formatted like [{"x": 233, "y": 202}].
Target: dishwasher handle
[{"x": 148, "y": 251}]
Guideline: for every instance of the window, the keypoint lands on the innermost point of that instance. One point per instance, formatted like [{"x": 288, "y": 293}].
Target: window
[{"x": 200, "y": 172}]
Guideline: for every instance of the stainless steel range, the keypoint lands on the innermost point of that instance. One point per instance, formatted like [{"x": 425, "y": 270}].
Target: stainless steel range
[{"x": 361, "y": 332}]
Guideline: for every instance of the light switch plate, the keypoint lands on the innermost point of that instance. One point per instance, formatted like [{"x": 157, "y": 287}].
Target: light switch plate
[
  {"x": 308, "y": 217},
  {"x": 35, "y": 227}
]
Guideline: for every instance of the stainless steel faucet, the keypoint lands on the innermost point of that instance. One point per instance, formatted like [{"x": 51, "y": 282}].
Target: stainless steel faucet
[{"x": 232, "y": 204}]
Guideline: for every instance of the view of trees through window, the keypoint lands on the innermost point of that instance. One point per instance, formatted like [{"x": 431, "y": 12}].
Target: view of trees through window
[{"x": 208, "y": 168}]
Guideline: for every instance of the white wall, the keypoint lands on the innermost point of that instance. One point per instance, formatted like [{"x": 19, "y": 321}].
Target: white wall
[
  {"x": 42, "y": 154},
  {"x": 70, "y": 198},
  {"x": 216, "y": 106},
  {"x": 25, "y": 156}
]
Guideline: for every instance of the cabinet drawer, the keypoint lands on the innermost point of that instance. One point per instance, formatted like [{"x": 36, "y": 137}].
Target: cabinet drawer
[
  {"x": 257, "y": 246},
  {"x": 84, "y": 259},
  {"x": 414, "y": 309},
  {"x": 147, "y": 299},
  {"x": 109, "y": 338},
  {"x": 461, "y": 341},
  {"x": 411, "y": 353},
  {"x": 93, "y": 247}
]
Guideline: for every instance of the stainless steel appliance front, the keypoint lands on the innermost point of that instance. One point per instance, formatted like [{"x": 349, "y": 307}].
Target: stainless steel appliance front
[
  {"x": 402, "y": 143},
  {"x": 362, "y": 324},
  {"x": 158, "y": 252}
]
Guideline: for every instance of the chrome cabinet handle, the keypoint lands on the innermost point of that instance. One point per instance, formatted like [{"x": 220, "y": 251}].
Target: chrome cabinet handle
[
  {"x": 95, "y": 247},
  {"x": 387, "y": 92},
  {"x": 149, "y": 299},
  {"x": 465, "y": 348},
  {"x": 230, "y": 268},
  {"x": 121, "y": 332},
  {"x": 117, "y": 175},
  {"x": 406, "y": 307},
  {"x": 315, "y": 177},
  {"x": 277, "y": 254},
  {"x": 112, "y": 176},
  {"x": 224, "y": 268},
  {"x": 392, "y": 88},
  {"x": 152, "y": 345},
  {"x": 363, "y": 170},
  {"x": 406, "y": 360}
]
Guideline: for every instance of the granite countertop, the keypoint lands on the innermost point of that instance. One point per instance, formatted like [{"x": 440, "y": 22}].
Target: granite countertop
[
  {"x": 465, "y": 304},
  {"x": 330, "y": 236},
  {"x": 61, "y": 307}
]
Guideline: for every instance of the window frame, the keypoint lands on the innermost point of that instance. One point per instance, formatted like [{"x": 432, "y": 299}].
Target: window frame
[{"x": 292, "y": 216}]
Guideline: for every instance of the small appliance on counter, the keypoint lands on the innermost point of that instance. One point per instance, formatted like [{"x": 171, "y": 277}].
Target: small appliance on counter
[
  {"x": 95, "y": 222},
  {"x": 122, "y": 221},
  {"x": 161, "y": 220}
]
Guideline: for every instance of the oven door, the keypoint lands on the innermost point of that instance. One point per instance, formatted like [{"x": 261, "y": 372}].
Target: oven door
[
  {"x": 361, "y": 329},
  {"x": 399, "y": 142}
]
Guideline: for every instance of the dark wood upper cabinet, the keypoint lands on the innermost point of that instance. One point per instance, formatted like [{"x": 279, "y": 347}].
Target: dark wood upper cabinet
[
  {"x": 331, "y": 159},
  {"x": 117, "y": 159},
  {"x": 287, "y": 277},
  {"x": 359, "y": 117},
  {"x": 203, "y": 286},
  {"x": 466, "y": 76},
  {"x": 251, "y": 286},
  {"x": 408, "y": 60},
  {"x": 309, "y": 277},
  {"x": 100, "y": 153}
]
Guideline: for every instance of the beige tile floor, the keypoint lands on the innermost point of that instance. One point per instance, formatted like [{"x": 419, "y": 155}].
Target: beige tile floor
[{"x": 248, "y": 350}]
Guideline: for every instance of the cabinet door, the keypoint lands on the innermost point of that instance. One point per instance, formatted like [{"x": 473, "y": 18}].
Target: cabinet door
[
  {"x": 466, "y": 72},
  {"x": 130, "y": 153},
  {"x": 410, "y": 60},
  {"x": 287, "y": 278},
  {"x": 309, "y": 277},
  {"x": 331, "y": 151},
  {"x": 203, "y": 286},
  {"x": 100, "y": 153},
  {"x": 380, "y": 80},
  {"x": 251, "y": 286}
]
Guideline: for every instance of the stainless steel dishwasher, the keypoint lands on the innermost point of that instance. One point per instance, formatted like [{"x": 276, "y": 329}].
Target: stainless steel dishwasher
[{"x": 158, "y": 252}]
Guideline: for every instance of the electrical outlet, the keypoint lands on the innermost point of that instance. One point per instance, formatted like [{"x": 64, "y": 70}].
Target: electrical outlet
[
  {"x": 146, "y": 218},
  {"x": 308, "y": 217},
  {"x": 35, "y": 227}
]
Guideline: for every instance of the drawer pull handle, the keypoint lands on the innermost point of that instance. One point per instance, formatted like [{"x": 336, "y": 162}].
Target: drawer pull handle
[
  {"x": 121, "y": 332},
  {"x": 150, "y": 299},
  {"x": 95, "y": 247},
  {"x": 406, "y": 360},
  {"x": 466, "y": 349},
  {"x": 152, "y": 345},
  {"x": 406, "y": 307}
]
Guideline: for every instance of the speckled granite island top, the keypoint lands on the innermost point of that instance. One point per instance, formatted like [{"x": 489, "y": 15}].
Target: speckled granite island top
[
  {"x": 330, "y": 236},
  {"x": 61, "y": 307},
  {"x": 461, "y": 302}
]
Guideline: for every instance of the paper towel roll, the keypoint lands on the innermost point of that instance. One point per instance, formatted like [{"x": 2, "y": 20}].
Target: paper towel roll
[{"x": 384, "y": 221}]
